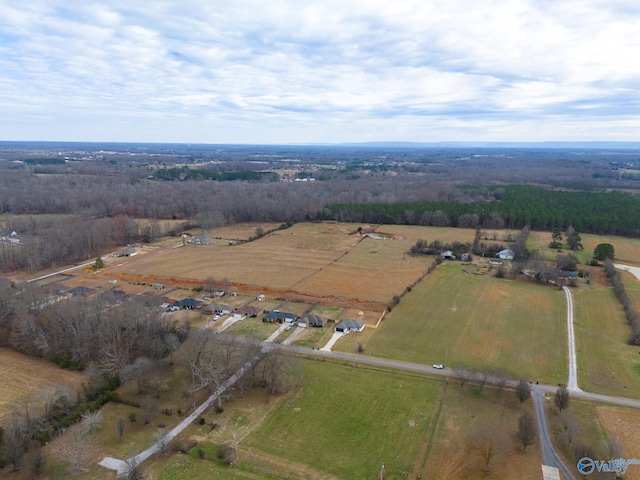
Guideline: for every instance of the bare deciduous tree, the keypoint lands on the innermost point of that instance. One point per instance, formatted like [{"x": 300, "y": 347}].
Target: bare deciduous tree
[
  {"x": 502, "y": 377},
  {"x": 281, "y": 372},
  {"x": 569, "y": 427},
  {"x": 487, "y": 441},
  {"x": 526, "y": 433},
  {"x": 523, "y": 390},
  {"x": 561, "y": 398},
  {"x": 75, "y": 446},
  {"x": 463, "y": 373}
]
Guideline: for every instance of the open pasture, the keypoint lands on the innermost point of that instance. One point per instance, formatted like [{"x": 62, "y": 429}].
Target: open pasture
[
  {"x": 346, "y": 421},
  {"x": 453, "y": 317},
  {"x": 606, "y": 364},
  {"x": 23, "y": 376}
]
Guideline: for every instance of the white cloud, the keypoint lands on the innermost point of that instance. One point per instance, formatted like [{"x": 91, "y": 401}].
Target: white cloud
[{"x": 324, "y": 70}]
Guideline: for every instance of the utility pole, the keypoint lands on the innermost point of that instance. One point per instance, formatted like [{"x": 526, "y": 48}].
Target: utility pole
[
  {"x": 235, "y": 444},
  {"x": 382, "y": 472}
]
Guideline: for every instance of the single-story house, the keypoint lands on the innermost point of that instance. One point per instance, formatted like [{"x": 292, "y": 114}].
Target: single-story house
[
  {"x": 313, "y": 320},
  {"x": 127, "y": 252},
  {"x": 202, "y": 239},
  {"x": 280, "y": 317},
  {"x": 81, "y": 291},
  {"x": 188, "y": 303},
  {"x": 113, "y": 296},
  {"x": 506, "y": 254},
  {"x": 345, "y": 325},
  {"x": 447, "y": 255},
  {"x": 220, "y": 308},
  {"x": 218, "y": 293},
  {"x": 247, "y": 311},
  {"x": 261, "y": 298}
]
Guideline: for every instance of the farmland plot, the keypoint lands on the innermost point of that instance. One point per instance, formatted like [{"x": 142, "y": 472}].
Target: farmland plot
[{"x": 454, "y": 317}]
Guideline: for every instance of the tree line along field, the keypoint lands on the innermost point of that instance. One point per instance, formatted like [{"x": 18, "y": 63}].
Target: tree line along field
[{"x": 626, "y": 249}]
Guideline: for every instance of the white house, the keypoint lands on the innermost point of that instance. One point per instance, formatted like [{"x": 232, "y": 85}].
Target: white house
[{"x": 506, "y": 254}]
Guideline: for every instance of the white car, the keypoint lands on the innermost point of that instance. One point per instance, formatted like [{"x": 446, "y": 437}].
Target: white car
[{"x": 439, "y": 366}]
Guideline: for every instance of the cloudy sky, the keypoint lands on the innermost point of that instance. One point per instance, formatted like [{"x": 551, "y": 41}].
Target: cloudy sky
[{"x": 302, "y": 71}]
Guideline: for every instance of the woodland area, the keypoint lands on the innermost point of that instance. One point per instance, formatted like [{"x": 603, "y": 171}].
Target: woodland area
[{"x": 73, "y": 202}]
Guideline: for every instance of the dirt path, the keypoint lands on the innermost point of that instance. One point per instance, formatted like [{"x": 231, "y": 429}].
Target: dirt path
[
  {"x": 428, "y": 435},
  {"x": 285, "y": 468}
]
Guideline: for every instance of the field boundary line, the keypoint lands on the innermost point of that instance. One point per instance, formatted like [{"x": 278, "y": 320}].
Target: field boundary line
[{"x": 425, "y": 448}]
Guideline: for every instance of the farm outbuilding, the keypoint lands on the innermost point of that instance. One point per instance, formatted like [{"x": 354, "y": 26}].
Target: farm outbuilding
[
  {"x": 345, "y": 325},
  {"x": 127, "y": 252},
  {"x": 261, "y": 298},
  {"x": 447, "y": 255},
  {"x": 506, "y": 254},
  {"x": 202, "y": 239}
]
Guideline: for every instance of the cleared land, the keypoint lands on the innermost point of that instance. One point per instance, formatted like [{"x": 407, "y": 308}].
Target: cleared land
[
  {"x": 324, "y": 261},
  {"x": 623, "y": 423},
  {"x": 239, "y": 231},
  {"x": 23, "y": 376},
  {"x": 454, "y": 317},
  {"x": 606, "y": 364},
  {"x": 451, "y": 459},
  {"x": 347, "y": 421}
]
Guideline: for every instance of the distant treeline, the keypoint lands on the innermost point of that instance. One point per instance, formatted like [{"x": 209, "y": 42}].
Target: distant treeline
[
  {"x": 185, "y": 173},
  {"x": 611, "y": 213},
  {"x": 44, "y": 161}
]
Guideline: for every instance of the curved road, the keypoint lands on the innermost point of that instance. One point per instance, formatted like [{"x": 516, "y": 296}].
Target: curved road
[{"x": 549, "y": 455}]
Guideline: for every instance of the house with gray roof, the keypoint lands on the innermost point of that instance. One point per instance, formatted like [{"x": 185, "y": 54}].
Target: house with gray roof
[
  {"x": 202, "y": 239},
  {"x": 280, "y": 317},
  {"x": 345, "y": 325}
]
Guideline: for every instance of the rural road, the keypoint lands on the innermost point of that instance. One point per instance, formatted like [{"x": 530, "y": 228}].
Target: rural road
[
  {"x": 549, "y": 455},
  {"x": 572, "y": 384}
]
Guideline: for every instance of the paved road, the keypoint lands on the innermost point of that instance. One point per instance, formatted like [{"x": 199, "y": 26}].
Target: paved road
[{"x": 549, "y": 455}]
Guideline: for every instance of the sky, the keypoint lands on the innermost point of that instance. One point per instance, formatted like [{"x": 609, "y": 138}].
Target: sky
[{"x": 302, "y": 71}]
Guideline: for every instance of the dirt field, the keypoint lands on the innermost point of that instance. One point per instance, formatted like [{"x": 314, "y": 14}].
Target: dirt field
[
  {"x": 240, "y": 231},
  {"x": 23, "y": 376},
  {"x": 623, "y": 422},
  {"x": 327, "y": 262}
]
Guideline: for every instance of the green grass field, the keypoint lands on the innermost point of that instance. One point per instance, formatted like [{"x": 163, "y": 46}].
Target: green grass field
[
  {"x": 347, "y": 421},
  {"x": 478, "y": 320},
  {"x": 606, "y": 364}
]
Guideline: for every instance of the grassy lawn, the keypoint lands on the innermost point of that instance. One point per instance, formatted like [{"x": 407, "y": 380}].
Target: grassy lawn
[
  {"x": 314, "y": 337},
  {"x": 254, "y": 327},
  {"x": 347, "y": 421},
  {"x": 606, "y": 364},
  {"x": 451, "y": 458},
  {"x": 478, "y": 320}
]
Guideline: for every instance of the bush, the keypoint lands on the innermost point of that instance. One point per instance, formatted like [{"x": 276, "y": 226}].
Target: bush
[
  {"x": 226, "y": 454},
  {"x": 200, "y": 421},
  {"x": 219, "y": 409},
  {"x": 132, "y": 417}
]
